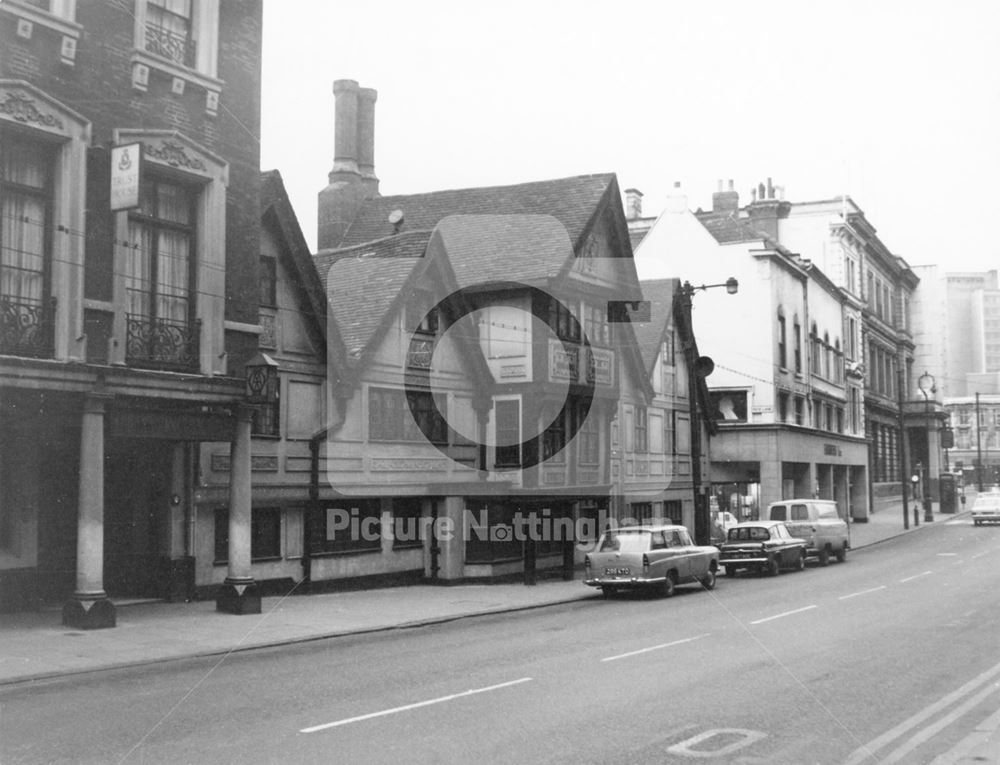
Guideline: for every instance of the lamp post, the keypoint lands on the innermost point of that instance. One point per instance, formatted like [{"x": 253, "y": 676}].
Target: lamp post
[
  {"x": 926, "y": 385},
  {"x": 698, "y": 368}
]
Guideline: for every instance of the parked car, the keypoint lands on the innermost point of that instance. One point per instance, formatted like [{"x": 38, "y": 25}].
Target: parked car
[
  {"x": 762, "y": 546},
  {"x": 817, "y": 522},
  {"x": 651, "y": 556},
  {"x": 721, "y": 523},
  {"x": 986, "y": 509}
]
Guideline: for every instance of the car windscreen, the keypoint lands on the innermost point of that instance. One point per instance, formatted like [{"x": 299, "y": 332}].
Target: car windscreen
[
  {"x": 749, "y": 534},
  {"x": 625, "y": 541}
]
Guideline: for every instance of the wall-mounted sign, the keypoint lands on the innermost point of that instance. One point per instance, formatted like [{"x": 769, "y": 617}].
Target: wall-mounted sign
[{"x": 126, "y": 162}]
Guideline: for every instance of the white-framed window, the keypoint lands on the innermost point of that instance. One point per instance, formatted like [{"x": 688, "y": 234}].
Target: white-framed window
[
  {"x": 171, "y": 258},
  {"x": 179, "y": 38},
  {"x": 43, "y": 156}
]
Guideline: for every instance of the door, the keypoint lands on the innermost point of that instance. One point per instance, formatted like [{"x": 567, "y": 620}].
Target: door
[{"x": 136, "y": 503}]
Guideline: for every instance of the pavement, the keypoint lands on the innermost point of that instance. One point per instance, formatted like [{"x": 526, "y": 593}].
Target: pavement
[{"x": 36, "y": 646}]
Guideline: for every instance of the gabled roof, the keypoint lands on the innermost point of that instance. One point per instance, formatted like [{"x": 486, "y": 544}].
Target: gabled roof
[
  {"x": 572, "y": 201},
  {"x": 529, "y": 249},
  {"x": 362, "y": 283},
  {"x": 276, "y": 210},
  {"x": 660, "y": 294}
]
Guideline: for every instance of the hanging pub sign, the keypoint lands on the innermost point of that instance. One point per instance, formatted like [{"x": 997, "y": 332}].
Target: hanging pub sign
[{"x": 126, "y": 163}]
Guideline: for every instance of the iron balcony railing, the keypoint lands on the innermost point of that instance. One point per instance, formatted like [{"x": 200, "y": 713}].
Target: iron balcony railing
[
  {"x": 27, "y": 326},
  {"x": 176, "y": 47},
  {"x": 162, "y": 344}
]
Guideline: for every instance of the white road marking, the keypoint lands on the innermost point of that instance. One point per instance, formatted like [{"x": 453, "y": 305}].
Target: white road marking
[
  {"x": 932, "y": 730},
  {"x": 868, "y": 750},
  {"x": 980, "y": 555},
  {"x": 654, "y": 648},
  {"x": 946, "y": 555},
  {"x": 786, "y": 613},
  {"x": 746, "y": 737},
  {"x": 911, "y": 578},
  {"x": 417, "y": 705},
  {"x": 863, "y": 592}
]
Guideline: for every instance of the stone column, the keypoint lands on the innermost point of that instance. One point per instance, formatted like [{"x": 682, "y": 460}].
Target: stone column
[
  {"x": 89, "y": 608},
  {"x": 240, "y": 594}
]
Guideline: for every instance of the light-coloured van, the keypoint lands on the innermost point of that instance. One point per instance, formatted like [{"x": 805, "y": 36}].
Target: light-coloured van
[{"x": 817, "y": 522}]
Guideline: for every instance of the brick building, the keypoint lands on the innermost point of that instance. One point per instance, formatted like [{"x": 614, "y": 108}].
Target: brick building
[{"x": 125, "y": 323}]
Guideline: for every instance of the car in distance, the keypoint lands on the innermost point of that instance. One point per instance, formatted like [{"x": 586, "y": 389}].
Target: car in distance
[
  {"x": 761, "y": 546},
  {"x": 656, "y": 556},
  {"x": 986, "y": 509},
  {"x": 816, "y": 521}
]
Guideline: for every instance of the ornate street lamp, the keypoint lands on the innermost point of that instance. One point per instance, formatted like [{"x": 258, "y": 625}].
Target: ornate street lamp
[
  {"x": 696, "y": 368},
  {"x": 926, "y": 385},
  {"x": 261, "y": 380}
]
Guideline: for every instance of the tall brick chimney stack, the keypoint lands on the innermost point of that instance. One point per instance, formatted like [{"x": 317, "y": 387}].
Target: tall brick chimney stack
[
  {"x": 366, "y": 139},
  {"x": 726, "y": 201},
  {"x": 352, "y": 179}
]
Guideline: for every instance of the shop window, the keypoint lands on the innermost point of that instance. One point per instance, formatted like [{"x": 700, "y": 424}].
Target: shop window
[
  {"x": 491, "y": 534},
  {"x": 265, "y": 534},
  {"x": 348, "y": 526},
  {"x": 730, "y": 405},
  {"x": 397, "y": 415},
  {"x": 406, "y": 513}
]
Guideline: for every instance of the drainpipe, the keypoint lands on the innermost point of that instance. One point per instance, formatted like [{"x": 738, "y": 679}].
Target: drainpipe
[{"x": 313, "y": 505}]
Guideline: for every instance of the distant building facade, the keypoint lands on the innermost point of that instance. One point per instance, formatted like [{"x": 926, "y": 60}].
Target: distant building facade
[{"x": 781, "y": 390}]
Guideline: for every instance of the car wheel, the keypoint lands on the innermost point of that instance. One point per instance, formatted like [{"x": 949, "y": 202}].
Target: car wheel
[
  {"x": 608, "y": 592},
  {"x": 800, "y": 562},
  {"x": 842, "y": 553},
  {"x": 975, "y": 523},
  {"x": 773, "y": 569},
  {"x": 669, "y": 585},
  {"x": 730, "y": 570},
  {"x": 824, "y": 556},
  {"x": 708, "y": 581}
]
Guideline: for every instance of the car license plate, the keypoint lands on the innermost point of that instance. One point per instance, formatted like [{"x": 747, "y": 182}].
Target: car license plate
[{"x": 617, "y": 571}]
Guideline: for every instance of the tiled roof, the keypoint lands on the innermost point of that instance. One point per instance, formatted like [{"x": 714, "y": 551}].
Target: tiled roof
[
  {"x": 659, "y": 293},
  {"x": 572, "y": 201},
  {"x": 362, "y": 282},
  {"x": 487, "y": 248},
  {"x": 727, "y": 228}
]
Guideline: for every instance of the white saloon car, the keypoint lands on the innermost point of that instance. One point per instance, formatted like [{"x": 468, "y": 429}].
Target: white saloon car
[{"x": 651, "y": 556}]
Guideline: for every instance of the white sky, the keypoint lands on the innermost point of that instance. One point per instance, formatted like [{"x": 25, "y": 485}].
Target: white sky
[{"x": 898, "y": 103}]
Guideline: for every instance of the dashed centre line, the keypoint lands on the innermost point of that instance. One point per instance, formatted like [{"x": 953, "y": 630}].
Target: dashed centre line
[
  {"x": 786, "y": 613},
  {"x": 915, "y": 576},
  {"x": 654, "y": 648},
  {"x": 417, "y": 705},
  {"x": 863, "y": 592}
]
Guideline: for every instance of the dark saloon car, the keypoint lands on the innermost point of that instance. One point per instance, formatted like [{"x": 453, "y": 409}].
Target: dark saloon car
[{"x": 762, "y": 546}]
